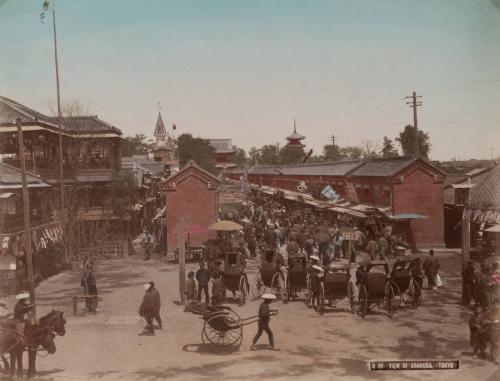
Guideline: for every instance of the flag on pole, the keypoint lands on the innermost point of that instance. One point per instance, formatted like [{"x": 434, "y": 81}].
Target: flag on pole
[{"x": 45, "y": 8}]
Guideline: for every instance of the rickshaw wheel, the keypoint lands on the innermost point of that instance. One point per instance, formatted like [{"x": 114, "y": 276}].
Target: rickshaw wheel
[
  {"x": 363, "y": 301},
  {"x": 275, "y": 284},
  {"x": 258, "y": 287},
  {"x": 413, "y": 296},
  {"x": 389, "y": 299},
  {"x": 321, "y": 299},
  {"x": 309, "y": 292},
  {"x": 350, "y": 297},
  {"x": 243, "y": 289},
  {"x": 222, "y": 338},
  {"x": 287, "y": 290},
  {"x": 397, "y": 295}
]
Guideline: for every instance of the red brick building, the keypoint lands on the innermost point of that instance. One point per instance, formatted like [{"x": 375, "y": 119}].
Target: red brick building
[
  {"x": 404, "y": 188},
  {"x": 192, "y": 195}
]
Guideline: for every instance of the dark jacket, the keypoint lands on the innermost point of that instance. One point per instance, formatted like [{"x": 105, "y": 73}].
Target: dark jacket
[
  {"x": 148, "y": 305},
  {"x": 264, "y": 312},
  {"x": 202, "y": 276}
]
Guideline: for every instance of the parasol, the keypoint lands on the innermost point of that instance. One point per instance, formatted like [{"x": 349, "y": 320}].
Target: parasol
[{"x": 225, "y": 225}]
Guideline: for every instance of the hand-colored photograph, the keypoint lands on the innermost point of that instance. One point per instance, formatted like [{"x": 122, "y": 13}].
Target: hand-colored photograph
[{"x": 219, "y": 190}]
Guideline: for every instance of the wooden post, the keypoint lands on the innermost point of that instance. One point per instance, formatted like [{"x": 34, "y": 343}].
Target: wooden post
[
  {"x": 465, "y": 234},
  {"x": 182, "y": 261},
  {"x": 349, "y": 251},
  {"x": 27, "y": 221}
]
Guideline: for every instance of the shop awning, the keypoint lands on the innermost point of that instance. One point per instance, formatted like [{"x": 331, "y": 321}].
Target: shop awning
[
  {"x": 349, "y": 212},
  {"x": 493, "y": 229},
  {"x": 407, "y": 216}
]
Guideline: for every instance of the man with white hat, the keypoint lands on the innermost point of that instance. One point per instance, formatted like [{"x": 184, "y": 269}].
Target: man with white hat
[
  {"x": 22, "y": 308},
  {"x": 148, "y": 309},
  {"x": 264, "y": 317}
]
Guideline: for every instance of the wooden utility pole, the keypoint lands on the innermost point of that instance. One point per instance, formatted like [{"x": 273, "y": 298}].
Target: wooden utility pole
[
  {"x": 182, "y": 261},
  {"x": 59, "y": 118},
  {"x": 414, "y": 103},
  {"x": 27, "y": 221},
  {"x": 333, "y": 147},
  {"x": 465, "y": 231}
]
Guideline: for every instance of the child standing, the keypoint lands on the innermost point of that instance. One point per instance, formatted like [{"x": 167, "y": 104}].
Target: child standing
[
  {"x": 190, "y": 286},
  {"x": 477, "y": 332}
]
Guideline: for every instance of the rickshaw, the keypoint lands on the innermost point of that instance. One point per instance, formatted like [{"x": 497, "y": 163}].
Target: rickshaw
[
  {"x": 269, "y": 274},
  {"x": 375, "y": 288},
  {"x": 336, "y": 286},
  {"x": 223, "y": 327},
  {"x": 234, "y": 277},
  {"x": 297, "y": 277},
  {"x": 405, "y": 285}
]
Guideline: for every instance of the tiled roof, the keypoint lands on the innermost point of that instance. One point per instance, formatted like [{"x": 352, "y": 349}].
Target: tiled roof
[
  {"x": 87, "y": 125},
  {"x": 10, "y": 178},
  {"x": 221, "y": 145},
  {"x": 11, "y": 110},
  {"x": 487, "y": 190},
  {"x": 338, "y": 168},
  {"x": 383, "y": 167}
]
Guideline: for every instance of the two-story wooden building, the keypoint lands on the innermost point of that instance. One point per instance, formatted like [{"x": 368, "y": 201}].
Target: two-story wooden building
[{"x": 90, "y": 154}]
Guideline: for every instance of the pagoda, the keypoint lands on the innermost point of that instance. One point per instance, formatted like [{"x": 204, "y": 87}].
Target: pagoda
[{"x": 295, "y": 139}]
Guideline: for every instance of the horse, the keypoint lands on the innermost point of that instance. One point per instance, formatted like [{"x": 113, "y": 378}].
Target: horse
[{"x": 33, "y": 336}]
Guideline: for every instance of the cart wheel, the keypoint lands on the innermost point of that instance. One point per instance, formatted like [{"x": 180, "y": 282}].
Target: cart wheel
[
  {"x": 226, "y": 338},
  {"x": 243, "y": 289},
  {"x": 362, "y": 301},
  {"x": 257, "y": 288},
  {"x": 350, "y": 297},
  {"x": 397, "y": 295},
  {"x": 321, "y": 299},
  {"x": 276, "y": 284},
  {"x": 389, "y": 299},
  {"x": 308, "y": 292},
  {"x": 287, "y": 290},
  {"x": 413, "y": 296}
]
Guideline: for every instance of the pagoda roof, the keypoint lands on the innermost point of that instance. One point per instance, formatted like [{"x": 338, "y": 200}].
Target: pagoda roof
[{"x": 295, "y": 135}]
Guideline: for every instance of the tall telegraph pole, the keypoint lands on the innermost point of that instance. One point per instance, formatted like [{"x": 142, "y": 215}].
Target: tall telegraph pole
[
  {"x": 27, "y": 221},
  {"x": 414, "y": 103},
  {"x": 333, "y": 147},
  {"x": 59, "y": 117}
]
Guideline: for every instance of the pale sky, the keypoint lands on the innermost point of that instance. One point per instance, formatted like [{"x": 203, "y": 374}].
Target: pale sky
[{"x": 245, "y": 69}]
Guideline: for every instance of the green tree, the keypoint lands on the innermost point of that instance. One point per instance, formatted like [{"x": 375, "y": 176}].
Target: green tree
[
  {"x": 291, "y": 155},
  {"x": 123, "y": 194},
  {"x": 240, "y": 156},
  {"x": 253, "y": 155},
  {"x": 269, "y": 154},
  {"x": 196, "y": 149},
  {"x": 351, "y": 152},
  {"x": 331, "y": 153},
  {"x": 408, "y": 139},
  {"x": 133, "y": 145},
  {"x": 388, "y": 149}
]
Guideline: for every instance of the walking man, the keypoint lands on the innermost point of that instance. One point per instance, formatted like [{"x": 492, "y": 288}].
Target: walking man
[
  {"x": 264, "y": 317},
  {"x": 157, "y": 304},
  {"x": 431, "y": 269},
  {"x": 147, "y": 243},
  {"x": 148, "y": 310},
  {"x": 203, "y": 276}
]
